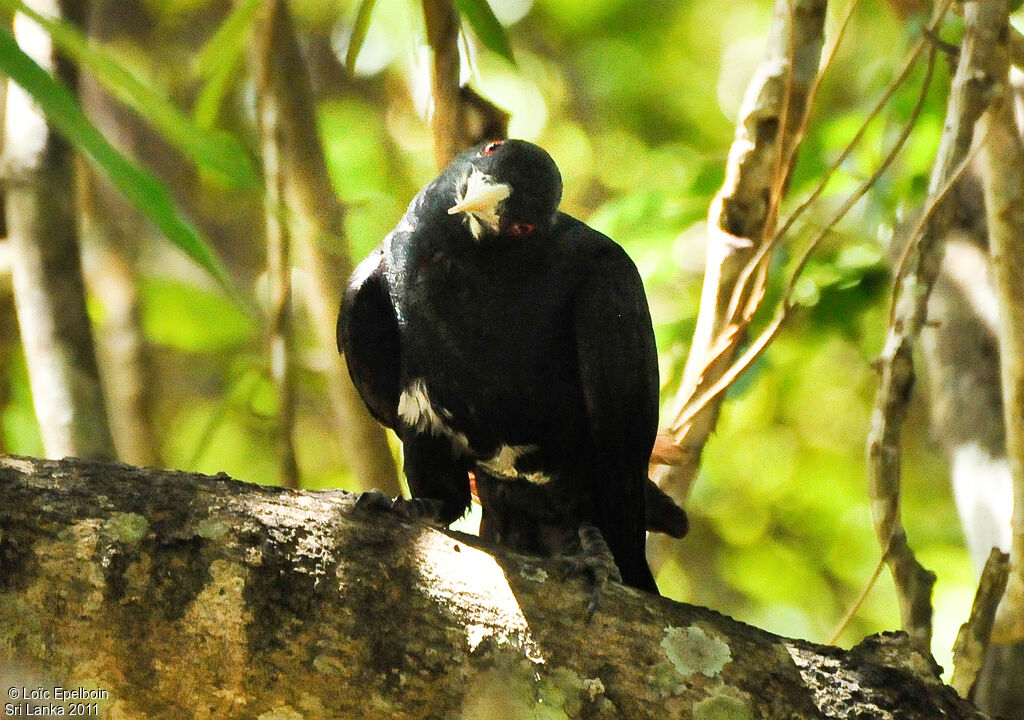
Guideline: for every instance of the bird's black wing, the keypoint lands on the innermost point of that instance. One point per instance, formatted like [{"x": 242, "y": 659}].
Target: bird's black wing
[
  {"x": 618, "y": 366},
  {"x": 368, "y": 338}
]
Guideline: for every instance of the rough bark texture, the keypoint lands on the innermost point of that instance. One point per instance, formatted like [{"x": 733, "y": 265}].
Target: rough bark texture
[
  {"x": 49, "y": 294},
  {"x": 186, "y": 596}
]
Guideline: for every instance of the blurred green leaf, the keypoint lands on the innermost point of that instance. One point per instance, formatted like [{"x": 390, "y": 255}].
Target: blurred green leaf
[
  {"x": 230, "y": 39},
  {"x": 141, "y": 187},
  {"x": 212, "y": 94},
  {"x": 191, "y": 319},
  {"x": 219, "y": 59},
  {"x": 486, "y": 26},
  {"x": 362, "y": 25},
  {"x": 214, "y": 151}
]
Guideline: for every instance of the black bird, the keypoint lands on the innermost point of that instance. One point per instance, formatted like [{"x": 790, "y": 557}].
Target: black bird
[{"x": 500, "y": 336}]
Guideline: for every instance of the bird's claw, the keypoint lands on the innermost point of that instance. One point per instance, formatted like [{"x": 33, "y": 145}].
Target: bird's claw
[
  {"x": 596, "y": 562},
  {"x": 412, "y": 509}
]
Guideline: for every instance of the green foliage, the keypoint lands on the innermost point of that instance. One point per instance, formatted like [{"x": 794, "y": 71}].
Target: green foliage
[
  {"x": 217, "y": 152},
  {"x": 359, "y": 30},
  {"x": 188, "y": 319},
  {"x": 140, "y": 186},
  {"x": 481, "y": 18},
  {"x": 477, "y": 13},
  {"x": 220, "y": 59}
]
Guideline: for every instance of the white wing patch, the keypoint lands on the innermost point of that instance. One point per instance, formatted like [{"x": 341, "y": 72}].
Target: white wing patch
[
  {"x": 416, "y": 409},
  {"x": 503, "y": 464}
]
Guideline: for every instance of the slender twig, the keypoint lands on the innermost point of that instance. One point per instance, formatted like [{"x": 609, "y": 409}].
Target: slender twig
[
  {"x": 852, "y": 611},
  {"x": 909, "y": 63},
  {"x": 774, "y": 237},
  {"x": 742, "y": 209},
  {"x": 316, "y": 218},
  {"x": 970, "y": 93},
  {"x": 922, "y": 222}
]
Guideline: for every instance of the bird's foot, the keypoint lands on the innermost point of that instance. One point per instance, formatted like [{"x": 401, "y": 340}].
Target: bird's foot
[
  {"x": 595, "y": 560},
  {"x": 425, "y": 510}
]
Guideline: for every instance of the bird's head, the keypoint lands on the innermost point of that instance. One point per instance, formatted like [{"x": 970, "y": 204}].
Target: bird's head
[{"x": 509, "y": 188}]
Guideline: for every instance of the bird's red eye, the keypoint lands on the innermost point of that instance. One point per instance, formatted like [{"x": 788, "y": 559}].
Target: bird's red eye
[
  {"x": 520, "y": 229},
  {"x": 491, "y": 147}
]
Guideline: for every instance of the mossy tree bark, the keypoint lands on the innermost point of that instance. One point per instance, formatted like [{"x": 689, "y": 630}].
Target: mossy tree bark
[{"x": 182, "y": 596}]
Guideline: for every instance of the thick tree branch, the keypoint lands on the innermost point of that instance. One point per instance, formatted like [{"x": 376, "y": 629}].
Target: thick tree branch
[
  {"x": 1003, "y": 158},
  {"x": 184, "y": 595}
]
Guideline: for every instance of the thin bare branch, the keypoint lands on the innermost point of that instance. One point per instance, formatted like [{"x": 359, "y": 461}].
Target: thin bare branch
[
  {"x": 969, "y": 96},
  {"x": 446, "y": 116},
  {"x": 317, "y": 222},
  {"x": 459, "y": 116},
  {"x": 908, "y": 66},
  {"x": 930, "y": 207},
  {"x": 852, "y": 611},
  {"x": 786, "y": 305},
  {"x": 742, "y": 210},
  {"x": 49, "y": 294}
]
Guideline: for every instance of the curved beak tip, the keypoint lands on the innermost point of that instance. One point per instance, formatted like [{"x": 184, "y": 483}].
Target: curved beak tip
[{"x": 481, "y": 197}]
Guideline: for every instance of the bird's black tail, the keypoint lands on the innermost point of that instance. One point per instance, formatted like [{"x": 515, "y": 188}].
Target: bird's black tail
[{"x": 637, "y": 573}]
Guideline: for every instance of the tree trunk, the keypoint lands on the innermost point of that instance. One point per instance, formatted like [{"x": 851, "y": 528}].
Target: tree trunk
[
  {"x": 114, "y": 234},
  {"x": 171, "y": 595},
  {"x": 49, "y": 295},
  {"x": 316, "y": 222}
]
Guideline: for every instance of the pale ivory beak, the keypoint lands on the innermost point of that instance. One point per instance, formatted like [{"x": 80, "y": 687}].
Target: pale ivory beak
[{"x": 482, "y": 196}]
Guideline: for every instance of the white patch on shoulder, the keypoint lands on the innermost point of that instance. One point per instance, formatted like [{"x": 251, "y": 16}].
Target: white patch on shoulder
[
  {"x": 365, "y": 269},
  {"x": 416, "y": 409},
  {"x": 405, "y": 225},
  {"x": 503, "y": 464}
]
